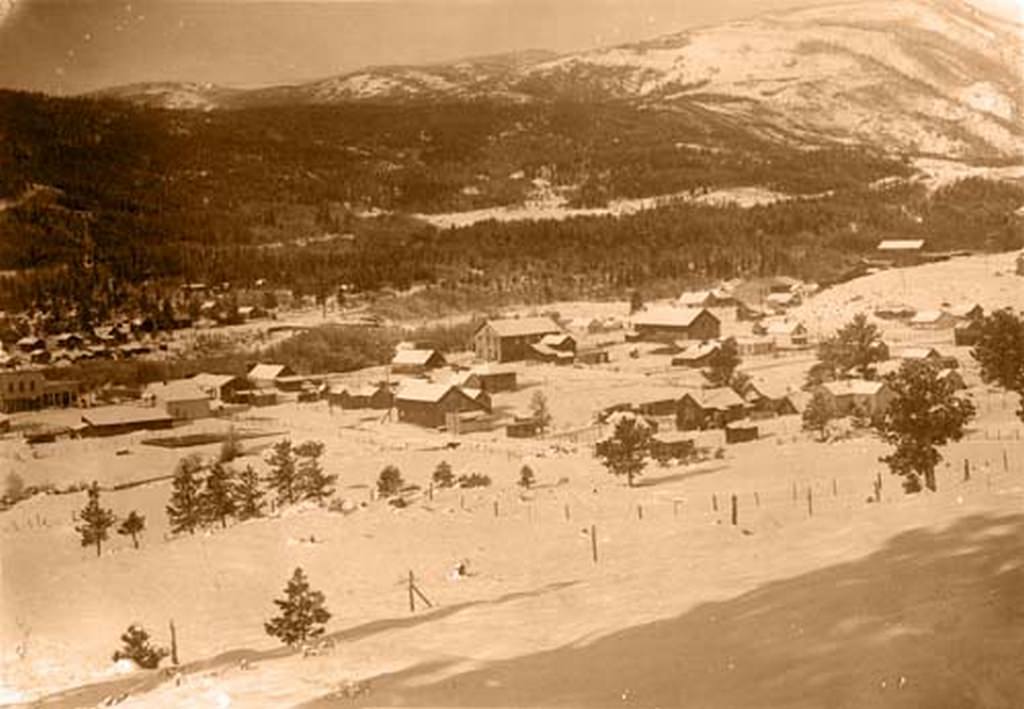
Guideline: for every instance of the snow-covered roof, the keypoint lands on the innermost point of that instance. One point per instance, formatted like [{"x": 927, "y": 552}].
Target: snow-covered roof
[
  {"x": 179, "y": 390},
  {"x": 901, "y": 245},
  {"x": 784, "y": 327},
  {"x": 413, "y": 357},
  {"x": 700, "y": 350},
  {"x": 556, "y": 339},
  {"x": 696, "y": 299},
  {"x": 267, "y": 371},
  {"x": 412, "y": 390},
  {"x": 522, "y": 327},
  {"x": 205, "y": 380},
  {"x": 668, "y": 317},
  {"x": 918, "y": 353},
  {"x": 927, "y": 316},
  {"x": 718, "y": 398},
  {"x": 114, "y": 415},
  {"x": 857, "y": 387}
]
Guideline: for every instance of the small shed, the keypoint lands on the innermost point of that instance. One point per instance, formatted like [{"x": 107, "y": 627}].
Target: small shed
[
  {"x": 741, "y": 432},
  {"x": 525, "y": 427},
  {"x": 672, "y": 444}
]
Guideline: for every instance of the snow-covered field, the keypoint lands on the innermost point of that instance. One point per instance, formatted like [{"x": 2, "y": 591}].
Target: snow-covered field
[{"x": 857, "y": 604}]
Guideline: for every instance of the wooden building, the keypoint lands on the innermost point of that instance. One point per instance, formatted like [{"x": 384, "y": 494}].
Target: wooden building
[
  {"x": 697, "y": 355},
  {"x": 427, "y": 404},
  {"x": 671, "y": 324},
  {"x": 182, "y": 399},
  {"x": 267, "y": 375},
  {"x": 416, "y": 361},
  {"x": 852, "y": 396},
  {"x": 219, "y": 387},
  {"x": 709, "y": 408},
  {"x": 119, "y": 420},
  {"x": 368, "y": 396},
  {"x": 29, "y": 390},
  {"x": 933, "y": 320},
  {"x": 511, "y": 339}
]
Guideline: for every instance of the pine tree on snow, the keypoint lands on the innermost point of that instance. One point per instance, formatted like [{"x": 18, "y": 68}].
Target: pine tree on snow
[
  {"x": 217, "y": 499},
  {"x": 95, "y": 520},
  {"x": 185, "y": 510},
  {"x": 313, "y": 482},
  {"x": 247, "y": 495},
  {"x": 303, "y": 614}
]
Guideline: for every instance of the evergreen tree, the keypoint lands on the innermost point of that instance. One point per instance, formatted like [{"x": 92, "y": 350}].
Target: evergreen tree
[
  {"x": 131, "y": 526},
  {"x": 443, "y": 475},
  {"x": 137, "y": 648},
  {"x": 526, "y": 477},
  {"x": 284, "y": 474},
  {"x": 303, "y": 614},
  {"x": 855, "y": 347},
  {"x": 185, "y": 511},
  {"x": 314, "y": 484},
  {"x": 723, "y": 365},
  {"x": 539, "y": 409},
  {"x": 217, "y": 498},
  {"x": 95, "y": 520},
  {"x": 1000, "y": 352},
  {"x": 925, "y": 413},
  {"x": 389, "y": 482},
  {"x": 820, "y": 410},
  {"x": 625, "y": 452},
  {"x": 248, "y": 495}
]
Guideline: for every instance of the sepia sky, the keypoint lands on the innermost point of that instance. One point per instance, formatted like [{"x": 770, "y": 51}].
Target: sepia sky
[{"x": 71, "y": 46}]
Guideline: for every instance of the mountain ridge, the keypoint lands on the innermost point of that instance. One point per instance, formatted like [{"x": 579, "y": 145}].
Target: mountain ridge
[{"x": 932, "y": 77}]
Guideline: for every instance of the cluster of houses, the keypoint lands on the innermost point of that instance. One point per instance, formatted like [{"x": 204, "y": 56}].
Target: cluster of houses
[{"x": 121, "y": 341}]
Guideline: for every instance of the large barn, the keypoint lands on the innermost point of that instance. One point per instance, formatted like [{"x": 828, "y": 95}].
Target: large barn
[
  {"x": 512, "y": 339},
  {"x": 671, "y": 324}
]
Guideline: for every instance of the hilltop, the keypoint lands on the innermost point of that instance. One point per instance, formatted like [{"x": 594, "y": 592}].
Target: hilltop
[{"x": 921, "y": 76}]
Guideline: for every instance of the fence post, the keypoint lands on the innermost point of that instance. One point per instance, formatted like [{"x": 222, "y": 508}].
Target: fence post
[
  {"x": 639, "y": 511},
  {"x": 835, "y": 488},
  {"x": 714, "y": 502},
  {"x": 495, "y": 508},
  {"x": 810, "y": 502},
  {"x": 675, "y": 508},
  {"x": 593, "y": 542},
  {"x": 794, "y": 492},
  {"x": 967, "y": 470},
  {"x": 1006, "y": 462},
  {"x": 174, "y": 643},
  {"x": 757, "y": 498},
  {"x": 735, "y": 511},
  {"x": 412, "y": 597},
  {"x": 565, "y": 510}
]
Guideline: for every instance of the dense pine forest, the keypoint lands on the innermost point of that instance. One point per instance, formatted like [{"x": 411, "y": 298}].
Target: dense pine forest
[{"x": 107, "y": 206}]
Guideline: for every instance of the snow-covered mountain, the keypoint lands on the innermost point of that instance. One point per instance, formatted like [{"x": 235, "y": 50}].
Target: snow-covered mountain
[
  {"x": 933, "y": 76},
  {"x": 923, "y": 76}
]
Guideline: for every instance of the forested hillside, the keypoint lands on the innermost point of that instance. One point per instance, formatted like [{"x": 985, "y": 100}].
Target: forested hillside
[{"x": 107, "y": 204}]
